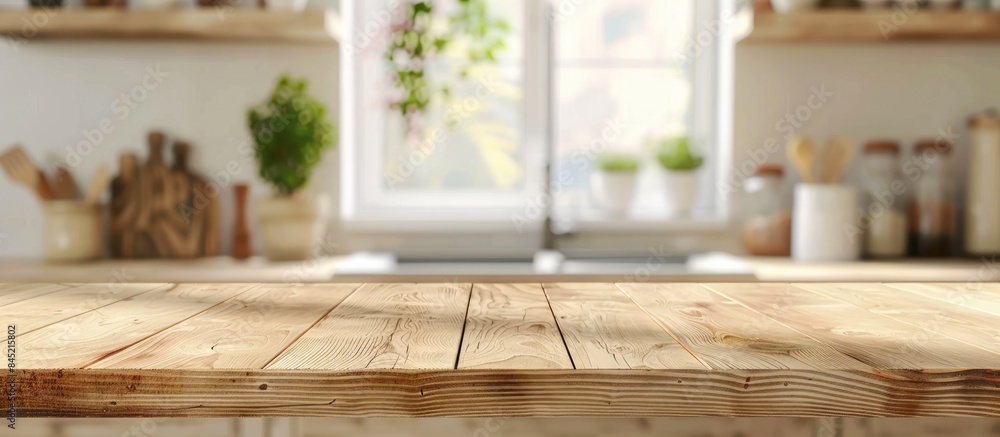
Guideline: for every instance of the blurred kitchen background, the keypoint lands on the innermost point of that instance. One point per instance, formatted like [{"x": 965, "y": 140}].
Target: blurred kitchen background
[
  {"x": 398, "y": 140},
  {"x": 516, "y": 139}
]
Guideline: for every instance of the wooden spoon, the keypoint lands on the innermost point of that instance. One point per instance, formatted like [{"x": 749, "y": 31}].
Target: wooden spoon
[
  {"x": 836, "y": 159},
  {"x": 20, "y": 168},
  {"x": 98, "y": 185},
  {"x": 802, "y": 154},
  {"x": 65, "y": 187}
]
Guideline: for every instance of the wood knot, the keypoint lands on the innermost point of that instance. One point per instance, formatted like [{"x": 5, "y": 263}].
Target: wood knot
[{"x": 263, "y": 387}]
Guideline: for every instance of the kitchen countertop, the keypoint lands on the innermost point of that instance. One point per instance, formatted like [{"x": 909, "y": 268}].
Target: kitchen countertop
[
  {"x": 457, "y": 349},
  {"x": 224, "y": 269}
]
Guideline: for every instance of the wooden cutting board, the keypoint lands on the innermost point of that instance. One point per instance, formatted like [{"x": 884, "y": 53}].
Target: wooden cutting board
[{"x": 163, "y": 211}]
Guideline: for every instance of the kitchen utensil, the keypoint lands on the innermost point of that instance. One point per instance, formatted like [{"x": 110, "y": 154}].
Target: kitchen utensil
[
  {"x": 802, "y": 154},
  {"x": 20, "y": 168},
  {"x": 824, "y": 223},
  {"x": 835, "y": 160},
  {"x": 98, "y": 185},
  {"x": 242, "y": 239},
  {"x": 64, "y": 186}
]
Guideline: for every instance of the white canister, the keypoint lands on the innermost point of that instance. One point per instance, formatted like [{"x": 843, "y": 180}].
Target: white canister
[
  {"x": 982, "y": 215},
  {"x": 825, "y": 223},
  {"x": 72, "y": 231}
]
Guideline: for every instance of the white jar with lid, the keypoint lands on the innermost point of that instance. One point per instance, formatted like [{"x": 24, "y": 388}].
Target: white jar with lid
[{"x": 982, "y": 208}]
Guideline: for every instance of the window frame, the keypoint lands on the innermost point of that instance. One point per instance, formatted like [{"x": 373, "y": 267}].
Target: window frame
[{"x": 711, "y": 121}]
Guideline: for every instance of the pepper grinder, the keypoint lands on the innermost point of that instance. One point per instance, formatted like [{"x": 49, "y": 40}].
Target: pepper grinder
[{"x": 242, "y": 239}]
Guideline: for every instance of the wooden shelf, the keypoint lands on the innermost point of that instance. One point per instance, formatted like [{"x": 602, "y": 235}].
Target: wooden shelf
[
  {"x": 859, "y": 26},
  {"x": 209, "y": 24}
]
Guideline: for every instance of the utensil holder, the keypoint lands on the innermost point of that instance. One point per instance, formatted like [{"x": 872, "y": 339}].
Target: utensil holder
[
  {"x": 824, "y": 223},
  {"x": 72, "y": 231}
]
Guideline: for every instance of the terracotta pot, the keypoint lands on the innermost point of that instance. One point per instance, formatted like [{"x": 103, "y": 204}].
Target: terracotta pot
[{"x": 292, "y": 226}]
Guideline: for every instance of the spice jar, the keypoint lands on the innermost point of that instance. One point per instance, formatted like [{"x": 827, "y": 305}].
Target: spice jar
[
  {"x": 884, "y": 215},
  {"x": 932, "y": 212},
  {"x": 768, "y": 228},
  {"x": 982, "y": 210}
]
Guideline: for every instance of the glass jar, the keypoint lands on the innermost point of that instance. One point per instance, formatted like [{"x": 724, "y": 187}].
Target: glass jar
[
  {"x": 884, "y": 215},
  {"x": 932, "y": 212},
  {"x": 767, "y": 230}
]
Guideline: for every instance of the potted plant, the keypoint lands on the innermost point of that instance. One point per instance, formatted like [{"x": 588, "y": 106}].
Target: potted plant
[
  {"x": 290, "y": 133},
  {"x": 681, "y": 168},
  {"x": 617, "y": 181}
]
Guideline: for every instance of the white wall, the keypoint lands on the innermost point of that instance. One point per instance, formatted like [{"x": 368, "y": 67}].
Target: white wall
[{"x": 50, "y": 92}]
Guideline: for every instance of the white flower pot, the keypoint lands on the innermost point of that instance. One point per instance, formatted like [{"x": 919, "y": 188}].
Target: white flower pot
[
  {"x": 285, "y": 5},
  {"x": 292, "y": 226},
  {"x": 617, "y": 191},
  {"x": 681, "y": 189}
]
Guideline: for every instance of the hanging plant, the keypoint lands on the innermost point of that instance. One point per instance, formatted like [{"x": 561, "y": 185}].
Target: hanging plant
[{"x": 415, "y": 40}]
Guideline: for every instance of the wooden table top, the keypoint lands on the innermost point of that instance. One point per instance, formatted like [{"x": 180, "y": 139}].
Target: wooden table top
[{"x": 125, "y": 350}]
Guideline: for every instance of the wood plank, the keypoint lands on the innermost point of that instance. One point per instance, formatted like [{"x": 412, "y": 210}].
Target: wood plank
[
  {"x": 726, "y": 335},
  {"x": 386, "y": 326},
  {"x": 980, "y": 296},
  {"x": 974, "y": 328},
  {"x": 207, "y": 24},
  {"x": 510, "y": 326},
  {"x": 90, "y": 337},
  {"x": 245, "y": 332},
  {"x": 50, "y": 308},
  {"x": 507, "y": 393},
  {"x": 874, "y": 26},
  {"x": 14, "y": 293},
  {"x": 604, "y": 329},
  {"x": 876, "y": 340}
]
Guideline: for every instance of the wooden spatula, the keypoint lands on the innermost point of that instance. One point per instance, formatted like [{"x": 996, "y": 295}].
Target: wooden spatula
[
  {"x": 20, "y": 168},
  {"x": 837, "y": 158},
  {"x": 65, "y": 187},
  {"x": 802, "y": 154},
  {"x": 98, "y": 185}
]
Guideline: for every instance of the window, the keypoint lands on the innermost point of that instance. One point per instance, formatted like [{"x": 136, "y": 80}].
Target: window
[{"x": 585, "y": 76}]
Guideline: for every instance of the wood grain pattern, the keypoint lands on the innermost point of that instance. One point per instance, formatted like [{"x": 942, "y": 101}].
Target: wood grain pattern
[
  {"x": 386, "y": 326},
  {"x": 245, "y": 332},
  {"x": 95, "y": 335},
  {"x": 13, "y": 293},
  {"x": 510, "y": 326},
  {"x": 873, "y": 339},
  {"x": 971, "y": 327},
  {"x": 392, "y": 350},
  {"x": 874, "y": 26},
  {"x": 726, "y": 335},
  {"x": 484, "y": 393},
  {"x": 307, "y": 27},
  {"x": 975, "y": 294},
  {"x": 50, "y": 308},
  {"x": 604, "y": 329}
]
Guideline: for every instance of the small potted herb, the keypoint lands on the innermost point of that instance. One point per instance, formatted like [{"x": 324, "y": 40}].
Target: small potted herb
[
  {"x": 617, "y": 181},
  {"x": 681, "y": 168},
  {"x": 290, "y": 133}
]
